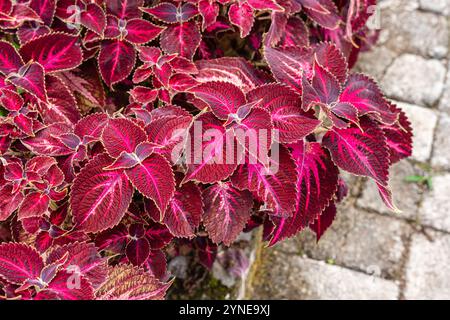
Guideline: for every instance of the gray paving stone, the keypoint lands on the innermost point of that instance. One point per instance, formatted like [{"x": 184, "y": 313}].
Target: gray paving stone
[
  {"x": 423, "y": 122},
  {"x": 413, "y": 31},
  {"x": 309, "y": 279},
  {"x": 435, "y": 209},
  {"x": 357, "y": 240},
  {"x": 441, "y": 150},
  {"x": 428, "y": 267},
  {"x": 375, "y": 62},
  {"x": 406, "y": 195},
  {"x": 414, "y": 79},
  {"x": 436, "y": 6}
]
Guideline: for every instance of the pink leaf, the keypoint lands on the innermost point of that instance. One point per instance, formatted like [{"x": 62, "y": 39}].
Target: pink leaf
[
  {"x": 19, "y": 262},
  {"x": 5, "y": 142},
  {"x": 93, "y": 18},
  {"x": 398, "y": 137},
  {"x": 209, "y": 11},
  {"x": 144, "y": 94},
  {"x": 289, "y": 64},
  {"x": 284, "y": 106},
  {"x": 327, "y": 16},
  {"x": 364, "y": 94},
  {"x": 122, "y": 135},
  {"x": 227, "y": 210},
  {"x": 153, "y": 177},
  {"x": 125, "y": 10},
  {"x": 150, "y": 54},
  {"x": 112, "y": 29},
  {"x": 183, "y": 65},
  {"x": 45, "y": 9},
  {"x": 264, "y": 5},
  {"x": 169, "y": 13},
  {"x": 185, "y": 210},
  {"x": 182, "y": 82},
  {"x": 386, "y": 195},
  {"x": 28, "y": 32},
  {"x": 9, "y": 201},
  {"x": 165, "y": 12},
  {"x": 30, "y": 77},
  {"x": 340, "y": 112},
  {"x": 58, "y": 288},
  {"x": 295, "y": 34},
  {"x": 207, "y": 251},
  {"x": 157, "y": 234},
  {"x": 167, "y": 132},
  {"x": 241, "y": 15},
  {"x": 183, "y": 39},
  {"x": 162, "y": 73},
  {"x": 45, "y": 141},
  {"x": 54, "y": 51},
  {"x": 208, "y": 160},
  {"x": 124, "y": 161},
  {"x": 222, "y": 97},
  {"x": 277, "y": 29},
  {"x": 169, "y": 110},
  {"x": 6, "y": 6},
  {"x": 116, "y": 60},
  {"x": 35, "y": 204},
  {"x": 329, "y": 20},
  {"x": 359, "y": 152},
  {"x": 85, "y": 257},
  {"x": 325, "y": 88},
  {"x": 142, "y": 73},
  {"x": 316, "y": 184},
  {"x": 330, "y": 57},
  {"x": 230, "y": 69},
  {"x": 99, "y": 198},
  {"x": 91, "y": 125},
  {"x": 10, "y": 100},
  {"x": 10, "y": 60},
  {"x": 187, "y": 11},
  {"x": 140, "y": 31},
  {"x": 253, "y": 131},
  {"x": 20, "y": 14},
  {"x": 61, "y": 106},
  {"x": 273, "y": 184}
]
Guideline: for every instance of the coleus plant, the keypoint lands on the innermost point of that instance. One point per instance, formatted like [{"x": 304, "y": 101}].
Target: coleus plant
[{"x": 135, "y": 131}]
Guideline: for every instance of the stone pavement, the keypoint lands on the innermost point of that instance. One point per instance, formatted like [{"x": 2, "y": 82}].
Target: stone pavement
[{"x": 370, "y": 253}]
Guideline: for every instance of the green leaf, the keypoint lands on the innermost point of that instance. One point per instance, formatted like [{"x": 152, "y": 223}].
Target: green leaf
[
  {"x": 423, "y": 180},
  {"x": 416, "y": 179},
  {"x": 3, "y": 112}
]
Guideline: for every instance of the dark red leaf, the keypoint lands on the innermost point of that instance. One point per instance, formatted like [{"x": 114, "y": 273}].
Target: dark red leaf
[
  {"x": 116, "y": 60},
  {"x": 227, "y": 210},
  {"x": 55, "y": 52},
  {"x": 183, "y": 39},
  {"x": 360, "y": 151},
  {"x": 99, "y": 198}
]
